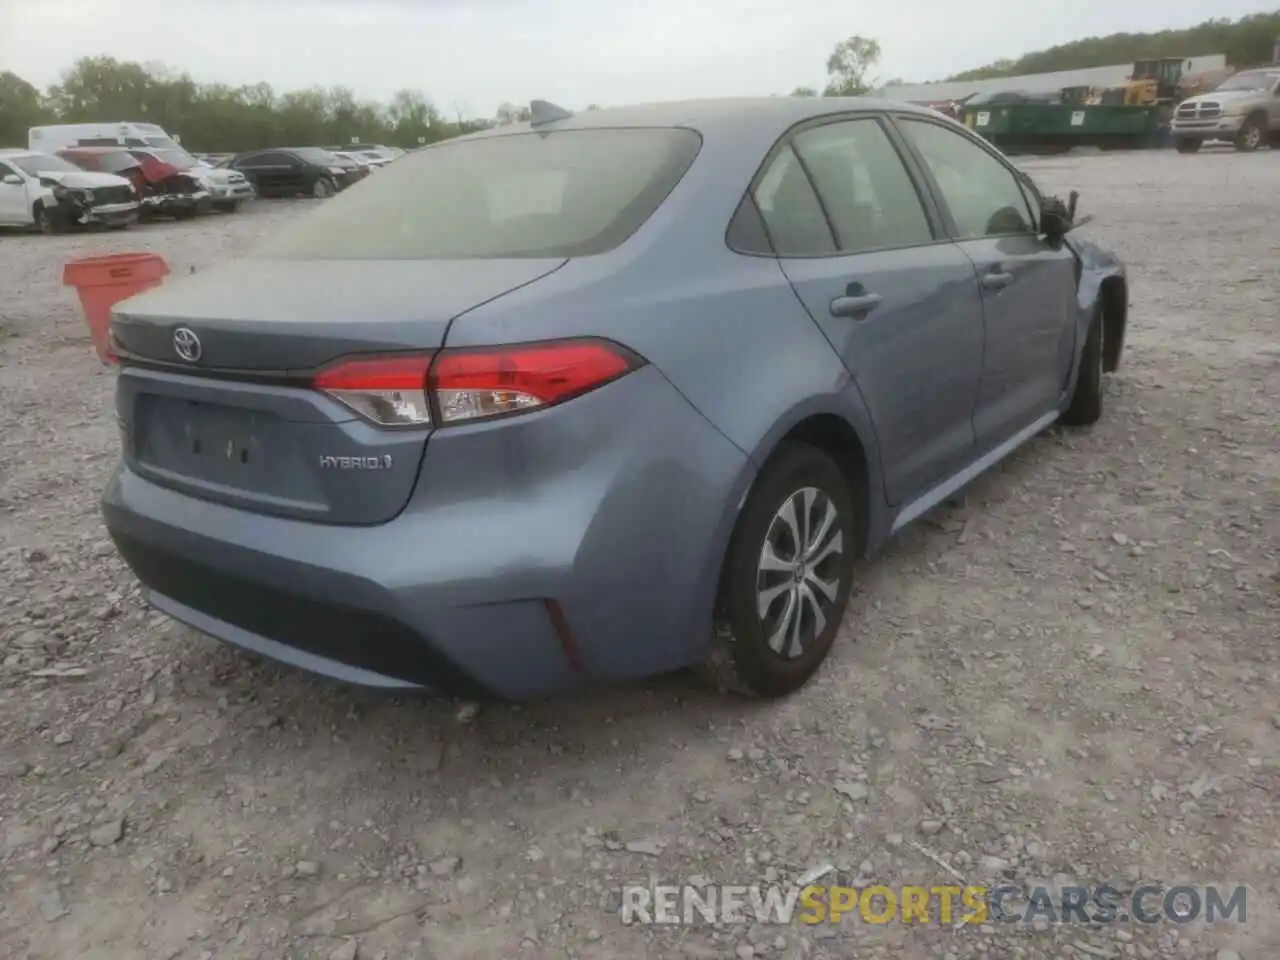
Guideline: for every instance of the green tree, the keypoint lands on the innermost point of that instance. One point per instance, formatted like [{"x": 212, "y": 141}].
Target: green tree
[
  {"x": 848, "y": 65},
  {"x": 21, "y": 108},
  {"x": 803, "y": 92},
  {"x": 1246, "y": 42},
  {"x": 214, "y": 116}
]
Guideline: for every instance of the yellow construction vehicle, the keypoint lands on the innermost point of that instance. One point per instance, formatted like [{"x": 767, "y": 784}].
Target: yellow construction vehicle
[{"x": 1154, "y": 81}]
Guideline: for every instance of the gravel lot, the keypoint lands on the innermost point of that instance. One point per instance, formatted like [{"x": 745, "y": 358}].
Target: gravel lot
[{"x": 1074, "y": 676}]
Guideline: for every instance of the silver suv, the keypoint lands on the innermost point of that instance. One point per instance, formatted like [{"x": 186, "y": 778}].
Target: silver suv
[{"x": 1244, "y": 110}]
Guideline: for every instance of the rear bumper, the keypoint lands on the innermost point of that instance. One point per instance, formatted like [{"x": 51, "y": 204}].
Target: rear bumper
[{"x": 622, "y": 527}]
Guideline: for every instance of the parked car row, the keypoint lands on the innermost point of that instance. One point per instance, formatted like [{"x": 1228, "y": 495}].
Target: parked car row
[
  {"x": 309, "y": 171},
  {"x": 74, "y": 175},
  {"x": 145, "y": 141}
]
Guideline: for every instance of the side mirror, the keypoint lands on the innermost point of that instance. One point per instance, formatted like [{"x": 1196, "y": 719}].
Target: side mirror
[
  {"x": 1053, "y": 225},
  {"x": 12, "y": 179},
  {"x": 1055, "y": 218}
]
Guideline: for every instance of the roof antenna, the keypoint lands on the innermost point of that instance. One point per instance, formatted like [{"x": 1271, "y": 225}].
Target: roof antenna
[{"x": 543, "y": 111}]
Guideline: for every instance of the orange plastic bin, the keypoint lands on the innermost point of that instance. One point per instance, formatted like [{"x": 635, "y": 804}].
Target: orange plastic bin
[{"x": 102, "y": 282}]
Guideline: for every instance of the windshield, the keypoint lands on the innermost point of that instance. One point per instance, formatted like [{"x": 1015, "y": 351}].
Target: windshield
[
  {"x": 175, "y": 156},
  {"x": 565, "y": 194},
  {"x": 1250, "y": 81},
  {"x": 110, "y": 161},
  {"x": 38, "y": 163}
]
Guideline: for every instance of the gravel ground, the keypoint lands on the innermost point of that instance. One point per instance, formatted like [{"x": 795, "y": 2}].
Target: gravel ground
[{"x": 1072, "y": 676}]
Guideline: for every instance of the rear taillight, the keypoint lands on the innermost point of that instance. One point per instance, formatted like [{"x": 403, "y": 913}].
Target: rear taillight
[
  {"x": 468, "y": 385},
  {"x": 390, "y": 391}
]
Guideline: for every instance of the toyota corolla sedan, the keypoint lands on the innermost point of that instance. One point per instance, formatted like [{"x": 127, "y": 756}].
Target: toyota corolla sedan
[{"x": 601, "y": 395}]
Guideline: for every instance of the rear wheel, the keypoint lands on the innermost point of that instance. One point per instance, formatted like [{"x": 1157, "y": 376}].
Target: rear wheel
[
  {"x": 787, "y": 575},
  {"x": 323, "y": 188},
  {"x": 1187, "y": 145},
  {"x": 1251, "y": 135},
  {"x": 1086, "y": 402}
]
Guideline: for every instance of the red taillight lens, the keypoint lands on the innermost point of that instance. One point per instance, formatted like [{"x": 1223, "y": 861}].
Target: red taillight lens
[
  {"x": 473, "y": 384},
  {"x": 390, "y": 391}
]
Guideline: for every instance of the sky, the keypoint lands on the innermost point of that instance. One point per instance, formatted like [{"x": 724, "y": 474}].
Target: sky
[{"x": 469, "y": 56}]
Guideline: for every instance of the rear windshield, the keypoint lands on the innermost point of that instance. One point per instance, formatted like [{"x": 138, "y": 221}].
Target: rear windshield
[{"x": 564, "y": 194}]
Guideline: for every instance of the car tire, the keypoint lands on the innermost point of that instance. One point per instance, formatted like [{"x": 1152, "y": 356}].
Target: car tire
[
  {"x": 188, "y": 214},
  {"x": 778, "y": 613},
  {"x": 1251, "y": 135},
  {"x": 227, "y": 206},
  {"x": 323, "y": 188},
  {"x": 1187, "y": 145},
  {"x": 1085, "y": 408},
  {"x": 47, "y": 223}
]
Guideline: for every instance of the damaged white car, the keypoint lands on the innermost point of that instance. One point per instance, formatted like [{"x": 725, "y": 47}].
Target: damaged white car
[{"x": 53, "y": 195}]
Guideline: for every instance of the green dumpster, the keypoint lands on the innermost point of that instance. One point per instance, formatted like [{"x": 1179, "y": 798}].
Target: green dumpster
[{"x": 1057, "y": 127}]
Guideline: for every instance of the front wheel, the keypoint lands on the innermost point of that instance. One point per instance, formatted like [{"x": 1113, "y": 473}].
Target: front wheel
[
  {"x": 1086, "y": 402},
  {"x": 49, "y": 221},
  {"x": 1187, "y": 145},
  {"x": 323, "y": 188},
  {"x": 787, "y": 575},
  {"x": 226, "y": 206},
  {"x": 1250, "y": 136}
]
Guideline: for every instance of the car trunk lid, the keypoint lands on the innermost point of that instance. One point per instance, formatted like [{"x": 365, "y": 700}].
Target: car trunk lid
[{"x": 240, "y": 423}]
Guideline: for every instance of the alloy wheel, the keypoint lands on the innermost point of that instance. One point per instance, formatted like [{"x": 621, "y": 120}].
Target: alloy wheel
[{"x": 798, "y": 573}]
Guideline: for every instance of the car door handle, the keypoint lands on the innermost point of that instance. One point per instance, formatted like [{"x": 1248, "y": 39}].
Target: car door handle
[
  {"x": 855, "y": 306},
  {"x": 996, "y": 280}
]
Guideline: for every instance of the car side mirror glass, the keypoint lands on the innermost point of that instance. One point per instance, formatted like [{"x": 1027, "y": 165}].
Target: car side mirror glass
[{"x": 12, "y": 179}]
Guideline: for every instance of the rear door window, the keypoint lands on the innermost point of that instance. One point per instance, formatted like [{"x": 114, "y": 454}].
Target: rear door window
[
  {"x": 864, "y": 186},
  {"x": 790, "y": 208}
]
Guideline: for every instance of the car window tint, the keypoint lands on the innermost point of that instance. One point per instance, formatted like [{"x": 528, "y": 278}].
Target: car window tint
[
  {"x": 867, "y": 192},
  {"x": 545, "y": 194},
  {"x": 791, "y": 211},
  {"x": 983, "y": 194},
  {"x": 6, "y": 171},
  {"x": 746, "y": 232}
]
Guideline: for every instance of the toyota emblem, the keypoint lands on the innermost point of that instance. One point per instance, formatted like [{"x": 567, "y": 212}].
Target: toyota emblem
[{"x": 187, "y": 344}]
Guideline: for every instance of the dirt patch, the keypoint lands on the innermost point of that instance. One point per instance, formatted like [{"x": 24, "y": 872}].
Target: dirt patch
[{"x": 1072, "y": 677}]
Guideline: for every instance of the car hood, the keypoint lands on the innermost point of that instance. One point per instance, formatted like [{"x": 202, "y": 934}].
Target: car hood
[
  {"x": 1227, "y": 96},
  {"x": 82, "y": 179},
  {"x": 216, "y": 174}
]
